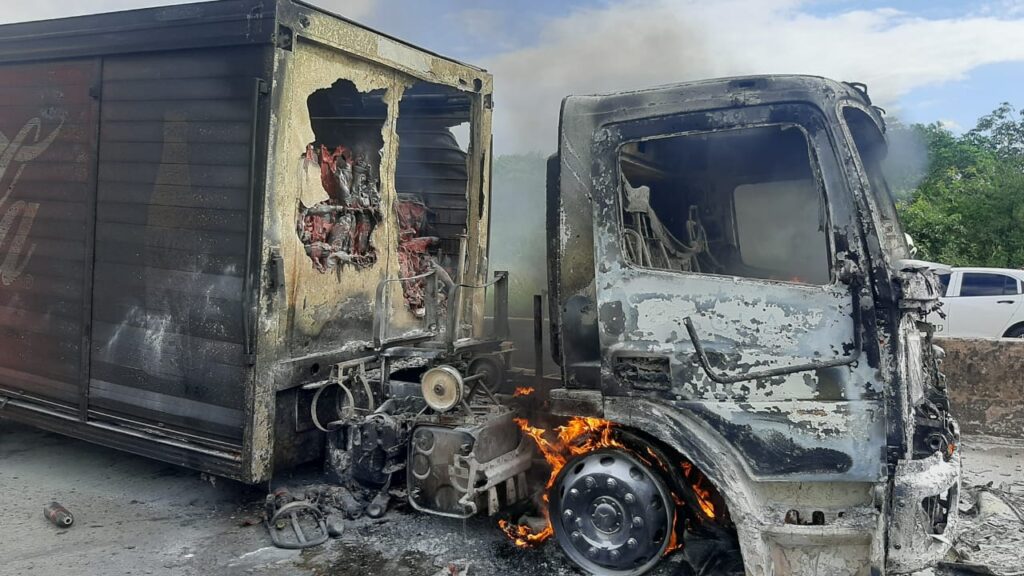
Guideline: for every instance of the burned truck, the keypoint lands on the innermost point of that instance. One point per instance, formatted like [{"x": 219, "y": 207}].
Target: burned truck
[
  {"x": 245, "y": 235},
  {"x": 732, "y": 288}
]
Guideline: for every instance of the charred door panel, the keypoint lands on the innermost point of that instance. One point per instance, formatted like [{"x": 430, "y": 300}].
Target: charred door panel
[
  {"x": 47, "y": 167},
  {"x": 169, "y": 336},
  {"x": 724, "y": 245}
]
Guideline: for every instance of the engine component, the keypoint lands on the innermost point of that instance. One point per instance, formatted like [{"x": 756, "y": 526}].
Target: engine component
[
  {"x": 58, "y": 515},
  {"x": 377, "y": 448},
  {"x": 443, "y": 388},
  {"x": 452, "y": 470},
  {"x": 611, "y": 514}
]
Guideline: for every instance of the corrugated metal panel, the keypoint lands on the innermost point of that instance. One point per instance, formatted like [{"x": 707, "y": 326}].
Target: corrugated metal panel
[
  {"x": 432, "y": 167},
  {"x": 172, "y": 221},
  {"x": 47, "y": 164},
  {"x": 190, "y": 25}
]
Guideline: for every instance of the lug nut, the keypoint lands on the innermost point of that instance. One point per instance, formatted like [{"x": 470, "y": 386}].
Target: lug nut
[
  {"x": 612, "y": 484},
  {"x": 575, "y": 535},
  {"x": 567, "y": 514},
  {"x": 589, "y": 482},
  {"x": 630, "y": 498},
  {"x": 638, "y": 522},
  {"x": 579, "y": 522},
  {"x": 614, "y": 554},
  {"x": 592, "y": 552},
  {"x": 631, "y": 543},
  {"x": 574, "y": 492}
]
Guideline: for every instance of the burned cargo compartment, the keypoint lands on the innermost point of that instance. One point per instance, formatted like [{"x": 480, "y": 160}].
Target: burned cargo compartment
[{"x": 251, "y": 181}]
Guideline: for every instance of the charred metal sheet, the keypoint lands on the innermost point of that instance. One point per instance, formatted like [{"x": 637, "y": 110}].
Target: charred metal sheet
[
  {"x": 327, "y": 310},
  {"x": 798, "y": 332},
  {"x": 373, "y": 51},
  {"x": 170, "y": 260},
  {"x": 311, "y": 320},
  {"x": 929, "y": 491}
]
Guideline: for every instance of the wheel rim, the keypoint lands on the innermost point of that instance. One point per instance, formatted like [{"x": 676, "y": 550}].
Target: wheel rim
[{"x": 611, "y": 514}]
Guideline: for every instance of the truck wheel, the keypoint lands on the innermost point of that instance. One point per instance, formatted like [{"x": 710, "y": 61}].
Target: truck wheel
[{"x": 611, "y": 514}]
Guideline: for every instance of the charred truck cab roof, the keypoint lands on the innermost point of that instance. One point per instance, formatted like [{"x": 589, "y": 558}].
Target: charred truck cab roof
[{"x": 725, "y": 277}]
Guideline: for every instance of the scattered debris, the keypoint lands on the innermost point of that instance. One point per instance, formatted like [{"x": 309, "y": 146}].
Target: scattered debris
[
  {"x": 58, "y": 515},
  {"x": 335, "y": 525},
  {"x": 308, "y": 524},
  {"x": 990, "y": 535},
  {"x": 455, "y": 568}
]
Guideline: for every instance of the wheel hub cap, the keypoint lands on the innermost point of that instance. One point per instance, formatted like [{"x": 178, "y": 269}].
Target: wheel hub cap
[
  {"x": 611, "y": 514},
  {"x": 606, "y": 514}
]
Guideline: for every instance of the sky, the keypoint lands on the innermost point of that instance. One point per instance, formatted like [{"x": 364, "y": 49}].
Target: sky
[{"x": 948, "y": 61}]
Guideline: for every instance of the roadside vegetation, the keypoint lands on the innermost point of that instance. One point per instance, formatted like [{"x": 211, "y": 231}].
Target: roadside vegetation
[{"x": 964, "y": 204}]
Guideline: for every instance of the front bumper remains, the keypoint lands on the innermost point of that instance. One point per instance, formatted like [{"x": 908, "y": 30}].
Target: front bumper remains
[{"x": 924, "y": 508}]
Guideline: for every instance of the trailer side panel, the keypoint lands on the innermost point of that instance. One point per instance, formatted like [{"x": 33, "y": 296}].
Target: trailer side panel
[
  {"x": 48, "y": 116},
  {"x": 169, "y": 334}
]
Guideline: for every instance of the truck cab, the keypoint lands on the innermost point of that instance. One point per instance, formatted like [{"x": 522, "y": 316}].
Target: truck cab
[{"x": 729, "y": 284}]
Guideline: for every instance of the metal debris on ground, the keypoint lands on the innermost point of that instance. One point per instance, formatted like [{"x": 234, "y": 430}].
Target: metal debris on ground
[
  {"x": 296, "y": 523},
  {"x": 58, "y": 515},
  {"x": 293, "y": 523},
  {"x": 455, "y": 568},
  {"x": 991, "y": 533}
]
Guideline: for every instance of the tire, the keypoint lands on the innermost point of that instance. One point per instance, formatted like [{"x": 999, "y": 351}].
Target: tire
[
  {"x": 611, "y": 514},
  {"x": 1015, "y": 332}
]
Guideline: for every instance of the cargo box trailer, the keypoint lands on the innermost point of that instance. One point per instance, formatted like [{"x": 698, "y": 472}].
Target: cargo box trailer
[{"x": 205, "y": 208}]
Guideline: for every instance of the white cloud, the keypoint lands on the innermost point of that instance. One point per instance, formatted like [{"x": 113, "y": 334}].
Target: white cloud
[
  {"x": 642, "y": 43},
  {"x": 951, "y": 125}
]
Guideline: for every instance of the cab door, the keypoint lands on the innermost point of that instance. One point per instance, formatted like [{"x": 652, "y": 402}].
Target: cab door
[{"x": 726, "y": 285}]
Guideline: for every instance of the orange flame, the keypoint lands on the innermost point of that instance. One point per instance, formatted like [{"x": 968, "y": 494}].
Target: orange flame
[
  {"x": 582, "y": 435},
  {"x": 522, "y": 536},
  {"x": 579, "y": 436},
  {"x": 697, "y": 485},
  {"x": 523, "y": 391}
]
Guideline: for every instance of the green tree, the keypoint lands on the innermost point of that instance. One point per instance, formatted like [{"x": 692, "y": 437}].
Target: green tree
[{"x": 968, "y": 208}]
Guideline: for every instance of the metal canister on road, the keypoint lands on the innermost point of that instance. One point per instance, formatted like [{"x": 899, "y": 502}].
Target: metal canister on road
[{"x": 59, "y": 515}]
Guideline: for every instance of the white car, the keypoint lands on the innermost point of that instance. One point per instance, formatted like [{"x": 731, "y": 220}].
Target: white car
[{"x": 980, "y": 302}]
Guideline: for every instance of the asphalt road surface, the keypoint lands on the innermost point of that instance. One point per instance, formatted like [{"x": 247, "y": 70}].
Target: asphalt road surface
[{"x": 139, "y": 516}]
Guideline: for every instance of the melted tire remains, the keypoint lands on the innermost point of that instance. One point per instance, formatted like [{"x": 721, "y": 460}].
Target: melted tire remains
[{"x": 611, "y": 514}]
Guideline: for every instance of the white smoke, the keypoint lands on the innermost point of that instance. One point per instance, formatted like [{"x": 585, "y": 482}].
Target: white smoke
[{"x": 642, "y": 43}]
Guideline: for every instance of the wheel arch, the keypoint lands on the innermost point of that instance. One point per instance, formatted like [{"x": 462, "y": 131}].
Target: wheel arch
[
  {"x": 690, "y": 438},
  {"x": 1012, "y": 328}
]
